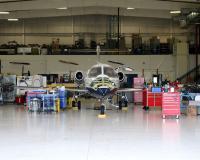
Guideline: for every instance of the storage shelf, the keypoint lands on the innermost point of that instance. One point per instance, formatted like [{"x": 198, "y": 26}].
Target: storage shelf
[{"x": 92, "y": 33}]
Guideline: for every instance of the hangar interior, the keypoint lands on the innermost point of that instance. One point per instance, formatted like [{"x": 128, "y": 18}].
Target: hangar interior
[{"x": 53, "y": 106}]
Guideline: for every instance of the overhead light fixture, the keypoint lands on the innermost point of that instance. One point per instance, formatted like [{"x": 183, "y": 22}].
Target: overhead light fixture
[
  {"x": 194, "y": 13},
  {"x": 129, "y": 69},
  {"x": 129, "y": 8},
  {"x": 4, "y": 12},
  {"x": 13, "y": 19},
  {"x": 62, "y": 8},
  {"x": 175, "y": 12}
]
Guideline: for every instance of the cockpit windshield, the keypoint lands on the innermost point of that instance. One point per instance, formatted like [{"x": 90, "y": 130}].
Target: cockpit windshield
[
  {"x": 110, "y": 72},
  {"x": 94, "y": 72}
]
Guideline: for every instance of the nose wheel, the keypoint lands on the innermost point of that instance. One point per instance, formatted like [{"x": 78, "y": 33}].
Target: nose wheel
[{"x": 102, "y": 111}]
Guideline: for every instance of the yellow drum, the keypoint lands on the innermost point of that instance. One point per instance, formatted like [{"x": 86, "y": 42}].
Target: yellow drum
[
  {"x": 70, "y": 102},
  {"x": 58, "y": 105}
]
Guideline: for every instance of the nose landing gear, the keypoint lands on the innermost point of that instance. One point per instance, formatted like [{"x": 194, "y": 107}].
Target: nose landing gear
[{"x": 102, "y": 111}]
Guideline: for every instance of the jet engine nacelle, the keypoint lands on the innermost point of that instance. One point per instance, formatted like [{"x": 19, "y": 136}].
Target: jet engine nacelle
[
  {"x": 121, "y": 77},
  {"x": 79, "y": 77}
]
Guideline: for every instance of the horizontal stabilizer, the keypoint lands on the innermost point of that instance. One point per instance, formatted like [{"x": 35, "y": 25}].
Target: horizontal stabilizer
[
  {"x": 128, "y": 90},
  {"x": 76, "y": 90}
]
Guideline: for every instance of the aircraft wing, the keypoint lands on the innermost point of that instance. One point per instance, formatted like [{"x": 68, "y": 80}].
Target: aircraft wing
[
  {"x": 128, "y": 90},
  {"x": 76, "y": 90},
  {"x": 27, "y": 87}
]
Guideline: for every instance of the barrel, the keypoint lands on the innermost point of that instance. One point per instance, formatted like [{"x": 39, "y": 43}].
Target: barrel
[
  {"x": 57, "y": 104},
  {"x": 35, "y": 104},
  {"x": 19, "y": 99}
]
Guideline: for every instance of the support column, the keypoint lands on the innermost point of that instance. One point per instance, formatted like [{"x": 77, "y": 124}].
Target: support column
[
  {"x": 118, "y": 29},
  {"x": 23, "y": 32},
  {"x": 182, "y": 58},
  {"x": 197, "y": 47}
]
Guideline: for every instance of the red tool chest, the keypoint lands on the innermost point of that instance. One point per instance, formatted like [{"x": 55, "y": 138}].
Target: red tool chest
[
  {"x": 171, "y": 104},
  {"x": 151, "y": 99},
  {"x": 138, "y": 83}
]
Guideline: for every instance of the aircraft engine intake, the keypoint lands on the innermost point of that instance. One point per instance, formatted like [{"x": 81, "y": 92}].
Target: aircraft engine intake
[
  {"x": 79, "y": 77},
  {"x": 121, "y": 76}
]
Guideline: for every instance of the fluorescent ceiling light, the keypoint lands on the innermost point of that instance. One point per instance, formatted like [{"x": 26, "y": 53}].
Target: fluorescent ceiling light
[
  {"x": 62, "y": 8},
  {"x": 4, "y": 12},
  {"x": 175, "y": 12},
  {"x": 14, "y": 19},
  {"x": 194, "y": 13},
  {"x": 129, "y": 8}
]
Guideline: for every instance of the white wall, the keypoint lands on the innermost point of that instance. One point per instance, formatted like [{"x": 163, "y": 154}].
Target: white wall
[
  {"x": 63, "y": 27},
  {"x": 51, "y": 64},
  {"x": 192, "y": 61},
  {"x": 43, "y": 30}
]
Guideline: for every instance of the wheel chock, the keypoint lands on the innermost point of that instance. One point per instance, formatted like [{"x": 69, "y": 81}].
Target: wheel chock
[
  {"x": 102, "y": 116},
  {"x": 125, "y": 109},
  {"x": 75, "y": 108}
]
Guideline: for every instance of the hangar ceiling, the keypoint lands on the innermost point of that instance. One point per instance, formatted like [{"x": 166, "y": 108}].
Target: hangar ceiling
[{"x": 48, "y": 8}]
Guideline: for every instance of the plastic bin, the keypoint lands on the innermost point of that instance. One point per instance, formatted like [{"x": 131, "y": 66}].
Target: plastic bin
[{"x": 156, "y": 90}]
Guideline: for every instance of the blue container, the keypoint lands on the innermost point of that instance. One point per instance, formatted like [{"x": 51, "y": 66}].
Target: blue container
[
  {"x": 47, "y": 105},
  {"x": 61, "y": 93},
  {"x": 156, "y": 89},
  {"x": 63, "y": 103}
]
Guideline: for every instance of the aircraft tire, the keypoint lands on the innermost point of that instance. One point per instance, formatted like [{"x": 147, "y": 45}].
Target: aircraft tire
[
  {"x": 120, "y": 105},
  {"x": 73, "y": 104},
  {"x": 125, "y": 104},
  {"x": 102, "y": 110},
  {"x": 79, "y": 105}
]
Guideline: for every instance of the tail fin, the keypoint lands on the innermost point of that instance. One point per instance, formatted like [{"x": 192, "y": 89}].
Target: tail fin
[{"x": 98, "y": 50}]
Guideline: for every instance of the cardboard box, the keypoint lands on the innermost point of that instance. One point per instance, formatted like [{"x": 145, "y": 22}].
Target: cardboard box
[
  {"x": 185, "y": 103},
  {"x": 191, "y": 110}
]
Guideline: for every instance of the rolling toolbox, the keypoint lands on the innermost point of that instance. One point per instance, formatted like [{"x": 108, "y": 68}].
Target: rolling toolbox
[
  {"x": 151, "y": 99},
  {"x": 138, "y": 83},
  {"x": 171, "y": 104}
]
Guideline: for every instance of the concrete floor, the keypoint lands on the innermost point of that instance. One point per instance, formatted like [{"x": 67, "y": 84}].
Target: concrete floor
[{"x": 135, "y": 134}]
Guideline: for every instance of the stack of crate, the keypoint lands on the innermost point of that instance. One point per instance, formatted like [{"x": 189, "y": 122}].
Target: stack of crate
[{"x": 139, "y": 84}]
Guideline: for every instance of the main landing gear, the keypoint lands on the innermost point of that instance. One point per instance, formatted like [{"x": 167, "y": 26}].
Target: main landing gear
[
  {"x": 76, "y": 103},
  {"x": 123, "y": 102},
  {"x": 123, "y": 105}
]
